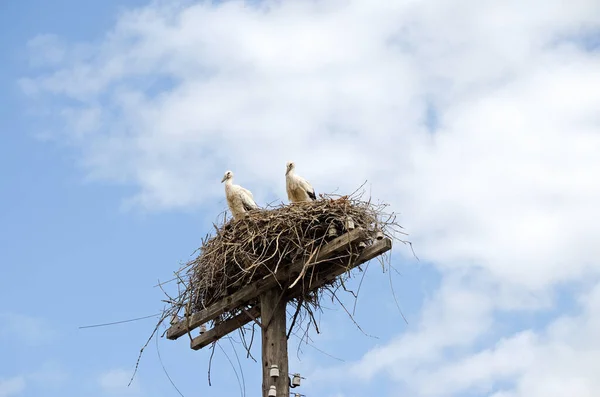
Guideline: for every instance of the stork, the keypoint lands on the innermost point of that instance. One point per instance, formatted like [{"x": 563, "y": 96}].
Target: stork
[
  {"x": 239, "y": 200},
  {"x": 298, "y": 188}
]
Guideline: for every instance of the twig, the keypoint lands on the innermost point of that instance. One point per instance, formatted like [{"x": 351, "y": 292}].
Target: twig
[{"x": 298, "y": 307}]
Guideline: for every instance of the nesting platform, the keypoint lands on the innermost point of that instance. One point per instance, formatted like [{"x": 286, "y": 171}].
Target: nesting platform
[{"x": 295, "y": 249}]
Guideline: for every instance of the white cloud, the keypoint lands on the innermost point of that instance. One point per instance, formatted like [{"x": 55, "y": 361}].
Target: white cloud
[
  {"x": 507, "y": 178},
  {"x": 12, "y": 386},
  {"x": 455, "y": 317},
  {"x": 28, "y": 329},
  {"x": 458, "y": 316},
  {"x": 46, "y": 50},
  {"x": 449, "y": 352},
  {"x": 501, "y": 197},
  {"x": 115, "y": 381},
  {"x": 555, "y": 362},
  {"x": 50, "y": 374}
]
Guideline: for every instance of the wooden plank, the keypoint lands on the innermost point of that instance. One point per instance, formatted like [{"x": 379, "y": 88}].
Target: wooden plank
[
  {"x": 373, "y": 251},
  {"x": 255, "y": 289},
  {"x": 274, "y": 341},
  {"x": 222, "y": 329}
]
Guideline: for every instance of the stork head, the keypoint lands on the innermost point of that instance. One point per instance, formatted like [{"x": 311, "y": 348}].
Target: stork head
[
  {"x": 289, "y": 167},
  {"x": 228, "y": 176}
]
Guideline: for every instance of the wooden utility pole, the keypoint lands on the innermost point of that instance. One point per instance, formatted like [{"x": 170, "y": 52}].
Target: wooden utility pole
[{"x": 274, "y": 341}]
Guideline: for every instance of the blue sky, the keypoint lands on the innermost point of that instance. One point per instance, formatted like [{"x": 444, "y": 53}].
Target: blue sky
[{"x": 119, "y": 119}]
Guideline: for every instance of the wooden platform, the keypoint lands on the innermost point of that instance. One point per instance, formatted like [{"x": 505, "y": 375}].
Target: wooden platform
[{"x": 245, "y": 301}]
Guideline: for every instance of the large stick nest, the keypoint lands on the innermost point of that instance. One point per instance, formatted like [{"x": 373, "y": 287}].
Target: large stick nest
[{"x": 246, "y": 250}]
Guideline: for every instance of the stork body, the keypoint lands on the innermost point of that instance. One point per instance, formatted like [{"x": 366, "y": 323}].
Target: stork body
[
  {"x": 239, "y": 200},
  {"x": 298, "y": 189}
]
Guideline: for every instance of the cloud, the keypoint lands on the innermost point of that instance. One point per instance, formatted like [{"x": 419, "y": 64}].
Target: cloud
[
  {"x": 460, "y": 346},
  {"x": 459, "y": 316},
  {"x": 553, "y": 362},
  {"x": 46, "y": 50},
  {"x": 12, "y": 386},
  {"x": 115, "y": 381},
  {"x": 50, "y": 374},
  {"x": 172, "y": 97},
  {"x": 28, "y": 329}
]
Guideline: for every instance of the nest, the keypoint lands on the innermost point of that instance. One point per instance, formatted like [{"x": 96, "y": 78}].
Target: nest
[{"x": 268, "y": 241}]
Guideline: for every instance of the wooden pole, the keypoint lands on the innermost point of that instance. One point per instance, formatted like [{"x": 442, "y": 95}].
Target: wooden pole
[{"x": 274, "y": 341}]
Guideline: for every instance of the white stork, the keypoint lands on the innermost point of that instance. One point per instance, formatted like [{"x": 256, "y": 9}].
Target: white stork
[
  {"x": 239, "y": 200},
  {"x": 298, "y": 188}
]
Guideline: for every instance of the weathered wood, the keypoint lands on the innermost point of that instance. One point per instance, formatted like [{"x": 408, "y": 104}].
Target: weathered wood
[
  {"x": 304, "y": 268},
  {"x": 274, "y": 341},
  {"x": 323, "y": 278},
  {"x": 255, "y": 289},
  {"x": 222, "y": 329},
  {"x": 378, "y": 248}
]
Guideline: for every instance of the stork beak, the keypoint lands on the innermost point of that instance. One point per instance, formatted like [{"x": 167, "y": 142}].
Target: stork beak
[{"x": 223, "y": 180}]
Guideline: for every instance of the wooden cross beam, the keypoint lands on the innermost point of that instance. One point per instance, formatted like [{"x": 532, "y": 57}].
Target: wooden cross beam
[
  {"x": 254, "y": 290},
  {"x": 224, "y": 328}
]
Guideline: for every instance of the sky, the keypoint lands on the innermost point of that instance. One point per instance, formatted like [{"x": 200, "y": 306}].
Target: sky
[{"x": 477, "y": 121}]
